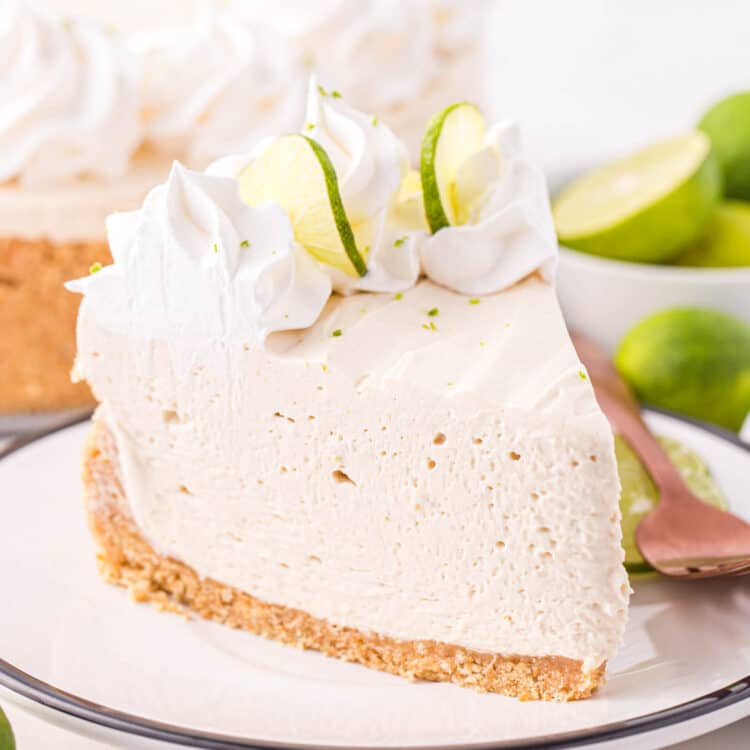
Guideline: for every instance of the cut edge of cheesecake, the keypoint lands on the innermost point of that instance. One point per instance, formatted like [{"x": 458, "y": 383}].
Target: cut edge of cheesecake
[{"x": 127, "y": 559}]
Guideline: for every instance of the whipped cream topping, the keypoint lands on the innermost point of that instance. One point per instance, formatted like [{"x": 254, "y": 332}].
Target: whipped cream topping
[
  {"x": 370, "y": 164},
  {"x": 401, "y": 60},
  {"x": 196, "y": 261},
  {"x": 509, "y": 233},
  {"x": 218, "y": 86},
  {"x": 69, "y": 99}
]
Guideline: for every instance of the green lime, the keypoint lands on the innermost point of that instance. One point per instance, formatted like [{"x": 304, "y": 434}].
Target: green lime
[
  {"x": 726, "y": 242},
  {"x": 452, "y": 136},
  {"x": 296, "y": 172},
  {"x": 690, "y": 360},
  {"x": 639, "y": 495},
  {"x": 727, "y": 124},
  {"x": 644, "y": 208},
  {"x": 7, "y": 741}
]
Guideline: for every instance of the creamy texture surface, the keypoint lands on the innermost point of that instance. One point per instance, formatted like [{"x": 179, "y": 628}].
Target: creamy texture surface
[
  {"x": 218, "y": 86},
  {"x": 454, "y": 483},
  {"x": 69, "y": 99}
]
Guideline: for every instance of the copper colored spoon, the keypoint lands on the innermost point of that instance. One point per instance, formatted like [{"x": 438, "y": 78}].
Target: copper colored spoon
[{"x": 681, "y": 537}]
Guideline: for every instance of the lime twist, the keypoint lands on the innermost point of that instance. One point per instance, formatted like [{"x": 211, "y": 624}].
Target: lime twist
[
  {"x": 296, "y": 172},
  {"x": 452, "y": 137}
]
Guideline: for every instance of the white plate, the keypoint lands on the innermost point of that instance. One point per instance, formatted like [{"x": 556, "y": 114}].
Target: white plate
[{"x": 81, "y": 653}]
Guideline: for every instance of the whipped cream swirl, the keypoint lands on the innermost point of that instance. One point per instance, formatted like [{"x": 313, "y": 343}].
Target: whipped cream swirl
[
  {"x": 196, "y": 261},
  {"x": 370, "y": 164},
  {"x": 509, "y": 233},
  {"x": 401, "y": 60},
  {"x": 218, "y": 86},
  {"x": 69, "y": 99}
]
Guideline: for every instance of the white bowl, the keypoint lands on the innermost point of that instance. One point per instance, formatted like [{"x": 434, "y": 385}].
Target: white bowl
[{"x": 605, "y": 298}]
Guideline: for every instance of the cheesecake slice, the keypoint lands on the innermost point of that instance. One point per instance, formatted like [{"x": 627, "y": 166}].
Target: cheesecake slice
[{"x": 419, "y": 481}]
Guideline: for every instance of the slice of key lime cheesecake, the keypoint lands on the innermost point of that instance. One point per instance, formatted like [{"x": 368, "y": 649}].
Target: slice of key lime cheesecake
[{"x": 340, "y": 409}]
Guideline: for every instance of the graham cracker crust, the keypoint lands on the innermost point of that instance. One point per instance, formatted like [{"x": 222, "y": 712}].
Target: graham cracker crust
[
  {"x": 38, "y": 322},
  {"x": 126, "y": 559}
]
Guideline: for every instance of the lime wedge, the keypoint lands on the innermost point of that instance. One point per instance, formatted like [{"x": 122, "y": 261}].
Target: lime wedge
[
  {"x": 7, "y": 741},
  {"x": 639, "y": 495},
  {"x": 646, "y": 207},
  {"x": 296, "y": 172},
  {"x": 452, "y": 136},
  {"x": 727, "y": 124},
  {"x": 726, "y": 242}
]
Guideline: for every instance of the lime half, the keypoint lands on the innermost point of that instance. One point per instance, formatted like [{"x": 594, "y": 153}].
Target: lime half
[
  {"x": 452, "y": 136},
  {"x": 296, "y": 172},
  {"x": 7, "y": 742},
  {"x": 726, "y": 242},
  {"x": 639, "y": 495},
  {"x": 646, "y": 207}
]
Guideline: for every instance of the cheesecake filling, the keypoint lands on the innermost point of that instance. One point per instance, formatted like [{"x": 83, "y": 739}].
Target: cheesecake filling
[
  {"x": 420, "y": 463},
  {"x": 456, "y": 485}
]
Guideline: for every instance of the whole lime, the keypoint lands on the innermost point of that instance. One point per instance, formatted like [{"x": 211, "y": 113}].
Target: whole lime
[
  {"x": 646, "y": 207},
  {"x": 726, "y": 242},
  {"x": 7, "y": 742},
  {"x": 727, "y": 124},
  {"x": 690, "y": 360}
]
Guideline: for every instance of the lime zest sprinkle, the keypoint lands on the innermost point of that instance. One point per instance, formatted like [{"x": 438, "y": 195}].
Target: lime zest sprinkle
[
  {"x": 95, "y": 267},
  {"x": 450, "y": 384},
  {"x": 336, "y": 94},
  {"x": 216, "y": 248},
  {"x": 433, "y": 326},
  {"x": 582, "y": 375},
  {"x": 337, "y": 332},
  {"x": 400, "y": 240},
  {"x": 433, "y": 312},
  {"x": 245, "y": 243},
  {"x": 374, "y": 121},
  {"x": 507, "y": 325},
  {"x": 474, "y": 301},
  {"x": 398, "y": 296},
  {"x": 310, "y": 126},
  {"x": 425, "y": 326},
  {"x": 482, "y": 343},
  {"x": 324, "y": 367},
  {"x": 322, "y": 91}
]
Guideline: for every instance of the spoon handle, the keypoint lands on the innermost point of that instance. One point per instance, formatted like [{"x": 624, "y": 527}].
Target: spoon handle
[{"x": 620, "y": 405}]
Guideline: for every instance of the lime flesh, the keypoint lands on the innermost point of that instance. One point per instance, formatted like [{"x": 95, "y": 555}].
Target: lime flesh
[
  {"x": 643, "y": 208},
  {"x": 726, "y": 242},
  {"x": 639, "y": 494},
  {"x": 727, "y": 124},
  {"x": 452, "y": 136},
  {"x": 296, "y": 172},
  {"x": 690, "y": 360}
]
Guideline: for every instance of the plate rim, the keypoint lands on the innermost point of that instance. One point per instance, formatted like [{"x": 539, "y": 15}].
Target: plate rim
[{"x": 38, "y": 691}]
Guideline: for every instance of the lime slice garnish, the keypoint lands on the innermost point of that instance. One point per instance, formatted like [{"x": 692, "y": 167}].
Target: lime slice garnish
[
  {"x": 727, "y": 124},
  {"x": 645, "y": 207},
  {"x": 7, "y": 741},
  {"x": 726, "y": 242},
  {"x": 296, "y": 172},
  {"x": 639, "y": 494},
  {"x": 452, "y": 136}
]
